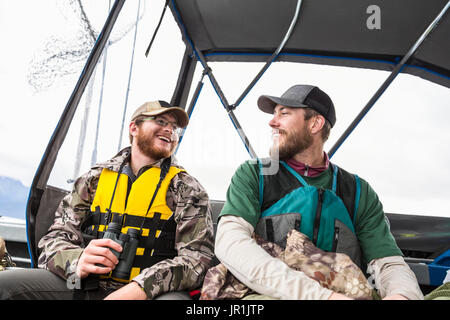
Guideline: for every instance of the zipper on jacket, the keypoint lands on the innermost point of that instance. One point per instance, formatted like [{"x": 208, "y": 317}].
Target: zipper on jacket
[
  {"x": 335, "y": 239},
  {"x": 320, "y": 192}
]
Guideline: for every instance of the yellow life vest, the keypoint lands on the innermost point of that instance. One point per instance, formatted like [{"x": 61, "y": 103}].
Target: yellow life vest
[{"x": 127, "y": 203}]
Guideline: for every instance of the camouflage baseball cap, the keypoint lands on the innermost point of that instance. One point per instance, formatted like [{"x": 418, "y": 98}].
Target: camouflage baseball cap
[{"x": 155, "y": 108}]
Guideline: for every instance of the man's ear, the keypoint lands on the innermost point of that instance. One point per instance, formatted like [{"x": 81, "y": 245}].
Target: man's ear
[
  {"x": 317, "y": 123},
  {"x": 133, "y": 129}
]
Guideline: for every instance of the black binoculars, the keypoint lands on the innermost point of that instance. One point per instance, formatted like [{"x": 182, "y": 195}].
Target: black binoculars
[{"x": 129, "y": 243}]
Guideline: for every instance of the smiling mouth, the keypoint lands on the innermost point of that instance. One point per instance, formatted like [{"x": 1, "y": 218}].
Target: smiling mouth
[
  {"x": 278, "y": 133},
  {"x": 165, "y": 139}
]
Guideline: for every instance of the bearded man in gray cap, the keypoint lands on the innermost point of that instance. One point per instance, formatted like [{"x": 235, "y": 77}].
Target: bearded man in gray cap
[
  {"x": 142, "y": 189},
  {"x": 336, "y": 210}
]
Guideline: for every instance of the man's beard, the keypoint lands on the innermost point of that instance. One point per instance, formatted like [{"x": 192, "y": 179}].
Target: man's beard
[
  {"x": 295, "y": 141},
  {"x": 147, "y": 146}
]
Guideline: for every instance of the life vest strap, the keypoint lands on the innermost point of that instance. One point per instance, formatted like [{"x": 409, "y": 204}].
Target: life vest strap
[
  {"x": 163, "y": 245},
  {"x": 97, "y": 218}
]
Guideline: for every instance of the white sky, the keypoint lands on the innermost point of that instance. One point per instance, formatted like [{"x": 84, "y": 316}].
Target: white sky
[{"x": 400, "y": 148}]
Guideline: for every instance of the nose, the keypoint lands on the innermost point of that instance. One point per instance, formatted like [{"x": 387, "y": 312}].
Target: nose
[
  {"x": 273, "y": 123},
  {"x": 174, "y": 132}
]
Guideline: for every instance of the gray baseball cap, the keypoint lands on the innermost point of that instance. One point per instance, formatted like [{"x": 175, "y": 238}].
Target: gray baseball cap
[{"x": 301, "y": 96}]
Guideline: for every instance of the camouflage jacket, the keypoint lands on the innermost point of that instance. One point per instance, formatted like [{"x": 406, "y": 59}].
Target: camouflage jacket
[
  {"x": 335, "y": 271},
  {"x": 63, "y": 244}
]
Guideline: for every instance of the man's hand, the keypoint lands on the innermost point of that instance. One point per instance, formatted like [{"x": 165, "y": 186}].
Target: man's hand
[
  {"x": 131, "y": 291},
  {"x": 395, "y": 297},
  {"x": 97, "y": 258},
  {"x": 338, "y": 296}
]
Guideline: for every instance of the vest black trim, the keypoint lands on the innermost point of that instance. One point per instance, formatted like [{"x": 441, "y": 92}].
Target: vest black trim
[
  {"x": 283, "y": 182},
  {"x": 346, "y": 190},
  {"x": 163, "y": 247},
  {"x": 277, "y": 186}
]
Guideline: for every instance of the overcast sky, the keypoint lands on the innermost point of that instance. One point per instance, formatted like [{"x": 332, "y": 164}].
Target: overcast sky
[{"x": 400, "y": 148}]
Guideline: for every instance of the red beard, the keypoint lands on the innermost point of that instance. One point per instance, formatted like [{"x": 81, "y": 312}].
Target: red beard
[
  {"x": 295, "y": 142},
  {"x": 146, "y": 143}
]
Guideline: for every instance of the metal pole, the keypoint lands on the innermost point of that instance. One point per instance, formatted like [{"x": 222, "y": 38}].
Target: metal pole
[
  {"x": 129, "y": 79},
  {"x": 225, "y": 103},
  {"x": 194, "y": 99},
  {"x": 100, "y": 103},
  {"x": 272, "y": 57},
  {"x": 185, "y": 76},
  {"x": 216, "y": 86},
  {"x": 388, "y": 81}
]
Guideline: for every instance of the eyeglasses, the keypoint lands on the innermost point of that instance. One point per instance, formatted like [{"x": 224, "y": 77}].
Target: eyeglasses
[{"x": 163, "y": 123}]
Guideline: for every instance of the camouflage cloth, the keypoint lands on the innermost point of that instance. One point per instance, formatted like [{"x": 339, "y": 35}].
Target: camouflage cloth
[
  {"x": 440, "y": 293},
  {"x": 335, "y": 271},
  {"x": 5, "y": 258},
  {"x": 2, "y": 249},
  {"x": 63, "y": 244}
]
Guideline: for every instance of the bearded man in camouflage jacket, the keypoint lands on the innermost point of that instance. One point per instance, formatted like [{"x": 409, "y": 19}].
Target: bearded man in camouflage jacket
[{"x": 173, "y": 218}]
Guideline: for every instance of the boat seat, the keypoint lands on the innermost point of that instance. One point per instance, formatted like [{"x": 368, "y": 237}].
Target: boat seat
[
  {"x": 216, "y": 207},
  {"x": 420, "y": 236}
]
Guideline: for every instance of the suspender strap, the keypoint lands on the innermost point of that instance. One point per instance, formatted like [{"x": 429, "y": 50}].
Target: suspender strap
[
  {"x": 347, "y": 189},
  {"x": 294, "y": 173},
  {"x": 270, "y": 231},
  {"x": 154, "y": 226},
  {"x": 357, "y": 197},
  {"x": 261, "y": 182}
]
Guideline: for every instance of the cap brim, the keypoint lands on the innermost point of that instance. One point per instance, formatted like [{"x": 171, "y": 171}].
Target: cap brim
[
  {"x": 268, "y": 103},
  {"x": 181, "y": 115}
]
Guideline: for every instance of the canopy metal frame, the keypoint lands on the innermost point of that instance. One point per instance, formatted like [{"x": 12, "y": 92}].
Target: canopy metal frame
[
  {"x": 208, "y": 71},
  {"x": 230, "y": 107},
  {"x": 191, "y": 56},
  {"x": 398, "y": 68}
]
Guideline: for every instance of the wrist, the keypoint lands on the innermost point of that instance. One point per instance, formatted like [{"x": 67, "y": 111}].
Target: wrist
[{"x": 140, "y": 289}]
